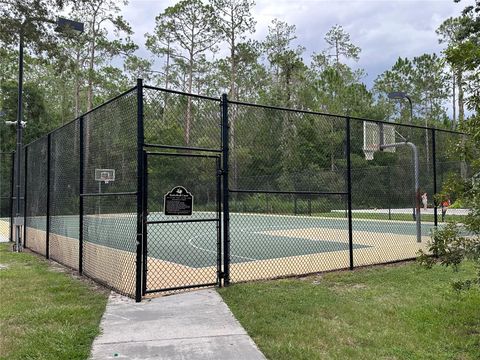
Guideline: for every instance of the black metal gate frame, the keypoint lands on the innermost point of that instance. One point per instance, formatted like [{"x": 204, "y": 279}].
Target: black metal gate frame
[
  {"x": 142, "y": 192},
  {"x": 216, "y": 219}
]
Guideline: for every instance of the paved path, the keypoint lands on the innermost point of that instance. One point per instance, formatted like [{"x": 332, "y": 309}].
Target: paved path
[
  {"x": 194, "y": 325},
  {"x": 407, "y": 211}
]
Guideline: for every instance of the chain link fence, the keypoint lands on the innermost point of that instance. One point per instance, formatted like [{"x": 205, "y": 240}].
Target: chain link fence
[
  {"x": 286, "y": 169},
  {"x": 158, "y": 190},
  {"x": 6, "y": 195},
  {"x": 18, "y": 197},
  {"x": 63, "y": 195},
  {"x": 36, "y": 196},
  {"x": 72, "y": 215},
  {"x": 109, "y": 218}
]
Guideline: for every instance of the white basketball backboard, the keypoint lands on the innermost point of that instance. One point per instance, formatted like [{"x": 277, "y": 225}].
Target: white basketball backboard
[
  {"x": 376, "y": 134},
  {"x": 105, "y": 175}
]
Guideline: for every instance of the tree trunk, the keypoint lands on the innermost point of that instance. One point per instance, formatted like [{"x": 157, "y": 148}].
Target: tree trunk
[
  {"x": 188, "y": 119},
  {"x": 167, "y": 67},
  {"x": 461, "y": 118},
  {"x": 454, "y": 85},
  {"x": 461, "y": 105},
  {"x": 65, "y": 112},
  {"x": 427, "y": 150},
  {"x": 233, "y": 113},
  {"x": 77, "y": 86},
  {"x": 337, "y": 55},
  {"x": 332, "y": 154},
  {"x": 91, "y": 68}
]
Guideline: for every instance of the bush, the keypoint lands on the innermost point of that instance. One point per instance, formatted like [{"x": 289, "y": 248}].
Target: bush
[{"x": 457, "y": 242}]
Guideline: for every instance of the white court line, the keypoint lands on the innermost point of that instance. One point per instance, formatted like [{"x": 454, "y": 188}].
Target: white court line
[
  {"x": 211, "y": 251},
  {"x": 332, "y": 219},
  {"x": 328, "y": 218},
  {"x": 245, "y": 230},
  {"x": 327, "y": 240}
]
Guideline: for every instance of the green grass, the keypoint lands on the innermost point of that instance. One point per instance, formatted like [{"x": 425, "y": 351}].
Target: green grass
[
  {"x": 45, "y": 313},
  {"x": 396, "y": 217},
  {"x": 393, "y": 312}
]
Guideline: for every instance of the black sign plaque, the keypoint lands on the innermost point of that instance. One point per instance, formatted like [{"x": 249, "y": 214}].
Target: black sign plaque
[{"x": 178, "y": 202}]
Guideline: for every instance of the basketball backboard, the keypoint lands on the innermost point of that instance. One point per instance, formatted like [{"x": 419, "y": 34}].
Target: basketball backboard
[
  {"x": 377, "y": 134},
  {"x": 105, "y": 175}
]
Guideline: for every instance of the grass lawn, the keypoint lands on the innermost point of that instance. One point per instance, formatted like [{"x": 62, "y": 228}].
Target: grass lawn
[
  {"x": 393, "y": 312},
  {"x": 45, "y": 313}
]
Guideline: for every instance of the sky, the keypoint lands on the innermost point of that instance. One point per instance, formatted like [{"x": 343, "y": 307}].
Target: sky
[{"x": 384, "y": 29}]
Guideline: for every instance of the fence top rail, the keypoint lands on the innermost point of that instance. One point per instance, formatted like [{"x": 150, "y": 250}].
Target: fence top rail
[
  {"x": 187, "y": 148},
  {"x": 7, "y": 152},
  {"x": 310, "y": 112},
  {"x": 150, "y": 153},
  {"x": 109, "y": 101},
  {"x": 181, "y": 93},
  {"x": 44, "y": 137}
]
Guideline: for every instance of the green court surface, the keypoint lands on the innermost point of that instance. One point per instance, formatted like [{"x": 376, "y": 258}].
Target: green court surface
[{"x": 252, "y": 236}]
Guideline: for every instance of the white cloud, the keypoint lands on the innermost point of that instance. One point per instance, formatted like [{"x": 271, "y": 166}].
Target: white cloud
[{"x": 383, "y": 29}]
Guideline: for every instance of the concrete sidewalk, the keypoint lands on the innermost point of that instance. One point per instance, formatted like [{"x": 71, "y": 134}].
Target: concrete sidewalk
[
  {"x": 429, "y": 211},
  {"x": 193, "y": 325}
]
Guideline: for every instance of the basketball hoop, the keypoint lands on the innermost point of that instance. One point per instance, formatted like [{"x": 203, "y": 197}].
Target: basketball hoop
[
  {"x": 368, "y": 154},
  {"x": 105, "y": 175}
]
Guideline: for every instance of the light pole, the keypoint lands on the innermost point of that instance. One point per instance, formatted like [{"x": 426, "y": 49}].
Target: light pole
[
  {"x": 62, "y": 25},
  {"x": 403, "y": 95},
  {"x": 400, "y": 95},
  {"x": 18, "y": 151}
]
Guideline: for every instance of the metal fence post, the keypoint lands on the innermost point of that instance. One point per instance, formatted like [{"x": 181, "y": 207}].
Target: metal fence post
[
  {"x": 80, "y": 192},
  {"x": 144, "y": 223},
  {"x": 25, "y": 151},
  {"x": 226, "y": 209},
  {"x": 434, "y": 161},
  {"x": 349, "y": 191},
  {"x": 389, "y": 185},
  {"x": 12, "y": 191},
  {"x": 219, "y": 222},
  {"x": 140, "y": 141},
  {"x": 47, "y": 238}
]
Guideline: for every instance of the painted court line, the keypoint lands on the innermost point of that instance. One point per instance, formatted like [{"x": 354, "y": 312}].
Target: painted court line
[
  {"x": 214, "y": 252},
  {"x": 332, "y": 219}
]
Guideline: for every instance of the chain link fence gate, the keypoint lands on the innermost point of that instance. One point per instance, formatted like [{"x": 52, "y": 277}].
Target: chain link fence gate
[
  {"x": 183, "y": 221},
  {"x": 182, "y": 191}
]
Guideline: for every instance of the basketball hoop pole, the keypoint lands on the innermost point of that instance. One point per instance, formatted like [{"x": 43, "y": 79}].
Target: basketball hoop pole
[
  {"x": 98, "y": 200},
  {"x": 417, "y": 183}
]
